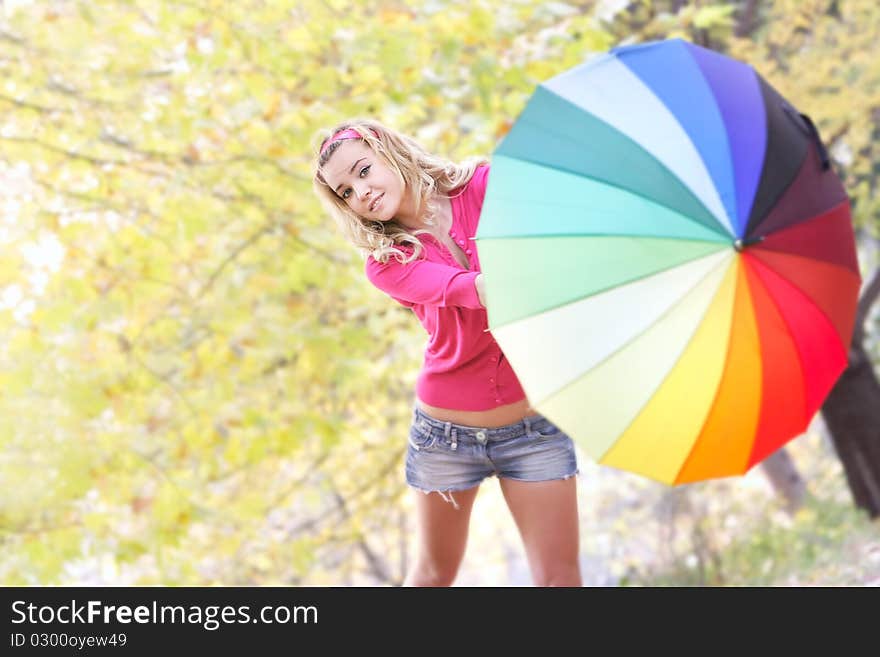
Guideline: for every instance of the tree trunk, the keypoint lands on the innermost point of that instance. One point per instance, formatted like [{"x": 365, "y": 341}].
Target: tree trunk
[
  {"x": 852, "y": 414},
  {"x": 785, "y": 479}
]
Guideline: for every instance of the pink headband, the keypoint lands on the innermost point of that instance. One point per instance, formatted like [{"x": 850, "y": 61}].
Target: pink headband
[{"x": 348, "y": 133}]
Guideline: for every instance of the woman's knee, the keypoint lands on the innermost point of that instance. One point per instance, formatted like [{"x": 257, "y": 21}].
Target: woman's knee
[
  {"x": 437, "y": 575},
  {"x": 559, "y": 575}
]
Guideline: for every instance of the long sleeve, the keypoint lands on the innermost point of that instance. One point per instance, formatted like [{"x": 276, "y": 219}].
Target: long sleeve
[{"x": 425, "y": 282}]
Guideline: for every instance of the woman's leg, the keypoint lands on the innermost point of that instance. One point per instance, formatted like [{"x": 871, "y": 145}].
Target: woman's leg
[
  {"x": 546, "y": 515},
  {"x": 442, "y": 531}
]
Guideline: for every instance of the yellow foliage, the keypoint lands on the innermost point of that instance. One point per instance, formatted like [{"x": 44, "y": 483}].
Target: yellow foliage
[{"x": 208, "y": 358}]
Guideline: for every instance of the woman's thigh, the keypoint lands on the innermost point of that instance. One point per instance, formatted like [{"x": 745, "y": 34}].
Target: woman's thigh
[
  {"x": 443, "y": 530},
  {"x": 546, "y": 515}
]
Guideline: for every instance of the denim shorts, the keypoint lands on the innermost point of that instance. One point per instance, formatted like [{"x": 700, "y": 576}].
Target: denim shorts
[{"x": 444, "y": 456}]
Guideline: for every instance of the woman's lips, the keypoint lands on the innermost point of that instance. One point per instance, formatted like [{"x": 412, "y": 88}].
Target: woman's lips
[{"x": 375, "y": 204}]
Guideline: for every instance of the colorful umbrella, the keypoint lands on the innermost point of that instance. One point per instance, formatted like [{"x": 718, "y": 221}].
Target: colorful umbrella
[{"x": 669, "y": 261}]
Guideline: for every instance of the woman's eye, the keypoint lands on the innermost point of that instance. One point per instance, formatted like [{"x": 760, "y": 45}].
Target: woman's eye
[{"x": 363, "y": 172}]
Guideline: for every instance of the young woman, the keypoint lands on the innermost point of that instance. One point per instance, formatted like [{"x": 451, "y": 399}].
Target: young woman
[{"x": 413, "y": 215}]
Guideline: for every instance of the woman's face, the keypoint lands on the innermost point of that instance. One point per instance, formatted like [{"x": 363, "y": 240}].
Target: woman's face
[{"x": 363, "y": 180}]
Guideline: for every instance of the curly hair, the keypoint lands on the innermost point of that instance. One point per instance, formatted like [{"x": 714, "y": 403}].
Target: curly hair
[{"x": 427, "y": 174}]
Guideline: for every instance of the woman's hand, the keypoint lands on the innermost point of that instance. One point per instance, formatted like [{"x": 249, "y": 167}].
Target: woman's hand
[{"x": 481, "y": 288}]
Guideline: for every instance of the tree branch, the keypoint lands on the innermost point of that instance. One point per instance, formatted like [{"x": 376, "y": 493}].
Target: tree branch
[
  {"x": 43, "y": 109},
  {"x": 67, "y": 153},
  {"x": 747, "y": 22},
  {"x": 237, "y": 251}
]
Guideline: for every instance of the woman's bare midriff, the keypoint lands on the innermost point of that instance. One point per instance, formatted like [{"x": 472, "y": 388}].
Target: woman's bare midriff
[{"x": 495, "y": 417}]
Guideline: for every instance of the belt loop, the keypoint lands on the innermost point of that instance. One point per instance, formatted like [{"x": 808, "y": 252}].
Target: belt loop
[
  {"x": 454, "y": 438},
  {"x": 528, "y": 425},
  {"x": 446, "y": 426}
]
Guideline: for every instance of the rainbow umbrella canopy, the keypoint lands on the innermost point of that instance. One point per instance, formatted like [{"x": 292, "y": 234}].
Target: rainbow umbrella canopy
[{"x": 669, "y": 260}]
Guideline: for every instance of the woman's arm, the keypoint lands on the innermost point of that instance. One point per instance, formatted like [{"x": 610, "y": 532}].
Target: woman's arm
[
  {"x": 481, "y": 289},
  {"x": 425, "y": 282}
]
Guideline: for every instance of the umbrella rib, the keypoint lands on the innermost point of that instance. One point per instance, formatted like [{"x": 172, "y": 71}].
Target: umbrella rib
[
  {"x": 713, "y": 229},
  {"x": 617, "y": 284},
  {"x": 798, "y": 287},
  {"x": 717, "y": 389},
  {"x": 801, "y": 225},
  {"x": 800, "y": 362},
  {"x": 718, "y": 220},
  {"x": 634, "y": 338},
  {"x": 725, "y": 263},
  {"x": 734, "y": 219},
  {"x": 636, "y": 236},
  {"x": 725, "y": 239},
  {"x": 693, "y": 196},
  {"x": 724, "y": 235}
]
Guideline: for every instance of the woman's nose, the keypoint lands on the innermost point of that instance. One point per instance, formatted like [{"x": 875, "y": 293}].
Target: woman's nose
[{"x": 363, "y": 193}]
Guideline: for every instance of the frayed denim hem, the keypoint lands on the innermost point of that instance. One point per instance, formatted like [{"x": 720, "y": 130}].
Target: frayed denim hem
[{"x": 444, "y": 494}]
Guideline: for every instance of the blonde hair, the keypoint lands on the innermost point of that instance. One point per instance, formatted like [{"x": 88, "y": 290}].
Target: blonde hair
[{"x": 427, "y": 174}]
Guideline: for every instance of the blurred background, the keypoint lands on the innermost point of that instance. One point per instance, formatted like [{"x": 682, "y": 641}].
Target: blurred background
[{"x": 199, "y": 386}]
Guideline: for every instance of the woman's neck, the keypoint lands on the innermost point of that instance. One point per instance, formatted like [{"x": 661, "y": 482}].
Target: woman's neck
[{"x": 442, "y": 219}]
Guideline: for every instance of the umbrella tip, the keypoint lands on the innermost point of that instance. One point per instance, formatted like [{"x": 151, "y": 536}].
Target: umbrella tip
[{"x": 741, "y": 244}]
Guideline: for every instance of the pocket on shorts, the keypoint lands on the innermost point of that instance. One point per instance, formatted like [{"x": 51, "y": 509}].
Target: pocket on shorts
[
  {"x": 421, "y": 438},
  {"x": 546, "y": 430}
]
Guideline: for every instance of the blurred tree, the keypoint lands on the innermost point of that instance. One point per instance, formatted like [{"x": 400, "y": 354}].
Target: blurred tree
[{"x": 190, "y": 353}]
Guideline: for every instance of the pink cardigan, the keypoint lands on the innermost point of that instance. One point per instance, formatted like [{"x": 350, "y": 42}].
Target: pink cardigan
[{"x": 464, "y": 368}]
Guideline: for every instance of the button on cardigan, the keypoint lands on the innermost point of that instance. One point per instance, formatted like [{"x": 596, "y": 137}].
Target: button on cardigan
[{"x": 463, "y": 368}]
